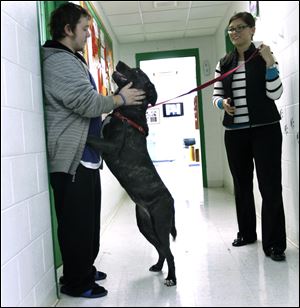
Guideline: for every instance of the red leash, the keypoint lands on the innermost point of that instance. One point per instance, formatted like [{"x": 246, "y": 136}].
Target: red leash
[
  {"x": 208, "y": 83},
  {"x": 204, "y": 85}
]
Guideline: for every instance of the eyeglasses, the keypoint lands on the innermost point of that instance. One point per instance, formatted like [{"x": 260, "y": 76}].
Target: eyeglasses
[{"x": 238, "y": 29}]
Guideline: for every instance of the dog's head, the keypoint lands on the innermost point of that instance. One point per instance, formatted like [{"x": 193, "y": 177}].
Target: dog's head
[{"x": 124, "y": 74}]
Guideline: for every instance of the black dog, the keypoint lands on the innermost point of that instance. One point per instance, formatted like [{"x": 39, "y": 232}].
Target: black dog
[{"x": 124, "y": 150}]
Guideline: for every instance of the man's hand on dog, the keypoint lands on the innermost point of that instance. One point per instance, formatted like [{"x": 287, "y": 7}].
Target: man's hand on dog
[{"x": 129, "y": 96}]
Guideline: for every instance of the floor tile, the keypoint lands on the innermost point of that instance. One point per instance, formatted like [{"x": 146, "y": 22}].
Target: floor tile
[{"x": 210, "y": 271}]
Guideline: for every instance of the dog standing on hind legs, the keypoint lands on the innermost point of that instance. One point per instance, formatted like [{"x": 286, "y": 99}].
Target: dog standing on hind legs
[{"x": 124, "y": 149}]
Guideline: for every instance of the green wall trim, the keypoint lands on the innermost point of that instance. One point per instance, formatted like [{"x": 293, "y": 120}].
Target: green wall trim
[
  {"x": 45, "y": 9},
  {"x": 176, "y": 54}
]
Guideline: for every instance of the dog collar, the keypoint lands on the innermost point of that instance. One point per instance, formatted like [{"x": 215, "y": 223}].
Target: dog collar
[{"x": 130, "y": 122}]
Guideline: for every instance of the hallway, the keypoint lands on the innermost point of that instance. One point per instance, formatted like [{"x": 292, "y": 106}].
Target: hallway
[{"x": 210, "y": 271}]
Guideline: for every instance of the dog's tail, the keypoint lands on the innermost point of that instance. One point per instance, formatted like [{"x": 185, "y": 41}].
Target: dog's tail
[
  {"x": 173, "y": 233},
  {"x": 173, "y": 229}
]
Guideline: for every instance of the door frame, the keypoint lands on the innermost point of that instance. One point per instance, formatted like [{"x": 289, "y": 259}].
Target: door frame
[{"x": 194, "y": 52}]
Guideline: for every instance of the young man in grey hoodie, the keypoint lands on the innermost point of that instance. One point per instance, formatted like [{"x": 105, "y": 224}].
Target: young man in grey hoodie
[{"x": 73, "y": 110}]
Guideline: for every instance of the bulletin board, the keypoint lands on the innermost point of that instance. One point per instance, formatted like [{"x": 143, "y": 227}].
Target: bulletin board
[{"x": 98, "y": 52}]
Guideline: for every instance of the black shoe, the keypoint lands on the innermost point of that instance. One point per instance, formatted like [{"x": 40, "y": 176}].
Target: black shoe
[
  {"x": 241, "y": 241},
  {"x": 98, "y": 276},
  {"x": 275, "y": 254},
  {"x": 95, "y": 292}
]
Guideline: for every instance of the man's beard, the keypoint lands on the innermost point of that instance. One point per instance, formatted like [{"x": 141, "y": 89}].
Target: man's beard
[{"x": 80, "y": 47}]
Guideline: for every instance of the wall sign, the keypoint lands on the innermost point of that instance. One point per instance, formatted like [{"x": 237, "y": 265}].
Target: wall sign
[
  {"x": 153, "y": 116},
  {"x": 173, "y": 109}
]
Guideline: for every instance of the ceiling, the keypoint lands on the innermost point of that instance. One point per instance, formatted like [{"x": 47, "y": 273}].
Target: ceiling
[{"x": 140, "y": 21}]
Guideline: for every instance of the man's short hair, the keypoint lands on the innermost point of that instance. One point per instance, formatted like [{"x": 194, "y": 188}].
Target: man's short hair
[{"x": 67, "y": 14}]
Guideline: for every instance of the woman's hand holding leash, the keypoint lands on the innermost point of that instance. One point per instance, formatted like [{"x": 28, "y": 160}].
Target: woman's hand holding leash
[{"x": 266, "y": 54}]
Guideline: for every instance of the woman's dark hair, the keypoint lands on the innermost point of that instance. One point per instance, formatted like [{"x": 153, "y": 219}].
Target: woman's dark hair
[
  {"x": 67, "y": 14},
  {"x": 246, "y": 17}
]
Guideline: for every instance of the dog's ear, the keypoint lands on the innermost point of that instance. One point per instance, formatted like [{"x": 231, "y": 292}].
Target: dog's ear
[{"x": 151, "y": 94}]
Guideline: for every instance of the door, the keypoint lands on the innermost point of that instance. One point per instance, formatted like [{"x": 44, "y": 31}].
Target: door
[{"x": 187, "y": 53}]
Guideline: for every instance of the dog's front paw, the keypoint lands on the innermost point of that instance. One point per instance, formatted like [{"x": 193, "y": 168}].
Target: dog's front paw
[{"x": 170, "y": 282}]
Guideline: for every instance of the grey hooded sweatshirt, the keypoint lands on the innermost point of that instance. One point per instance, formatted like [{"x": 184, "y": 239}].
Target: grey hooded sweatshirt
[{"x": 70, "y": 103}]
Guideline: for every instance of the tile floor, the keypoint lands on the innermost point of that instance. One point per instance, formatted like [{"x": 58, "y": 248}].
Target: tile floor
[{"x": 210, "y": 271}]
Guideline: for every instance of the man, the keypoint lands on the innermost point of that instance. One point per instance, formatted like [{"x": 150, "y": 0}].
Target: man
[{"x": 73, "y": 111}]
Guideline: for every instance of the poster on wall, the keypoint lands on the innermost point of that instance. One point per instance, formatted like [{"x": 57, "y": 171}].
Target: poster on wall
[
  {"x": 152, "y": 116},
  {"x": 196, "y": 112},
  {"x": 173, "y": 109},
  {"x": 98, "y": 52}
]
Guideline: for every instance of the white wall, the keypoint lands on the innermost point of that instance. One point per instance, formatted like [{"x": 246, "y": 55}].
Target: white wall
[
  {"x": 280, "y": 30},
  {"x": 212, "y": 129},
  {"x": 27, "y": 264},
  {"x": 278, "y": 27}
]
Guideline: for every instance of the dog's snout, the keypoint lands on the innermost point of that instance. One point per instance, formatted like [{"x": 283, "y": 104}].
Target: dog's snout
[{"x": 122, "y": 67}]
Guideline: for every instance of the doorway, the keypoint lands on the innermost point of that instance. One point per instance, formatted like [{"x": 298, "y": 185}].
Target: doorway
[{"x": 176, "y": 130}]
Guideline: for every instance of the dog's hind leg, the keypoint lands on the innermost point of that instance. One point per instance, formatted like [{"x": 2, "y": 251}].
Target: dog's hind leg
[
  {"x": 164, "y": 240},
  {"x": 165, "y": 244},
  {"x": 163, "y": 229},
  {"x": 145, "y": 226}
]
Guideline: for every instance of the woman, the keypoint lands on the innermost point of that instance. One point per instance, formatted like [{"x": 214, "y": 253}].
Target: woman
[{"x": 253, "y": 132}]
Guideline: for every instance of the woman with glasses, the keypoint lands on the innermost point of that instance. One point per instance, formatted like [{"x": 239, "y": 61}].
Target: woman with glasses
[{"x": 253, "y": 134}]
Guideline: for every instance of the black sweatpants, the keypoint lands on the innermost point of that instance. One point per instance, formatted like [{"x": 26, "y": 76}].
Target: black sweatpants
[
  {"x": 78, "y": 206},
  {"x": 263, "y": 145}
]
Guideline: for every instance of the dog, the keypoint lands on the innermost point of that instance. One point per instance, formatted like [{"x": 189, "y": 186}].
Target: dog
[{"x": 124, "y": 149}]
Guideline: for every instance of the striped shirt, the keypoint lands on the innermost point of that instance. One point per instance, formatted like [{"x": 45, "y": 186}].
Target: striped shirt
[{"x": 241, "y": 115}]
